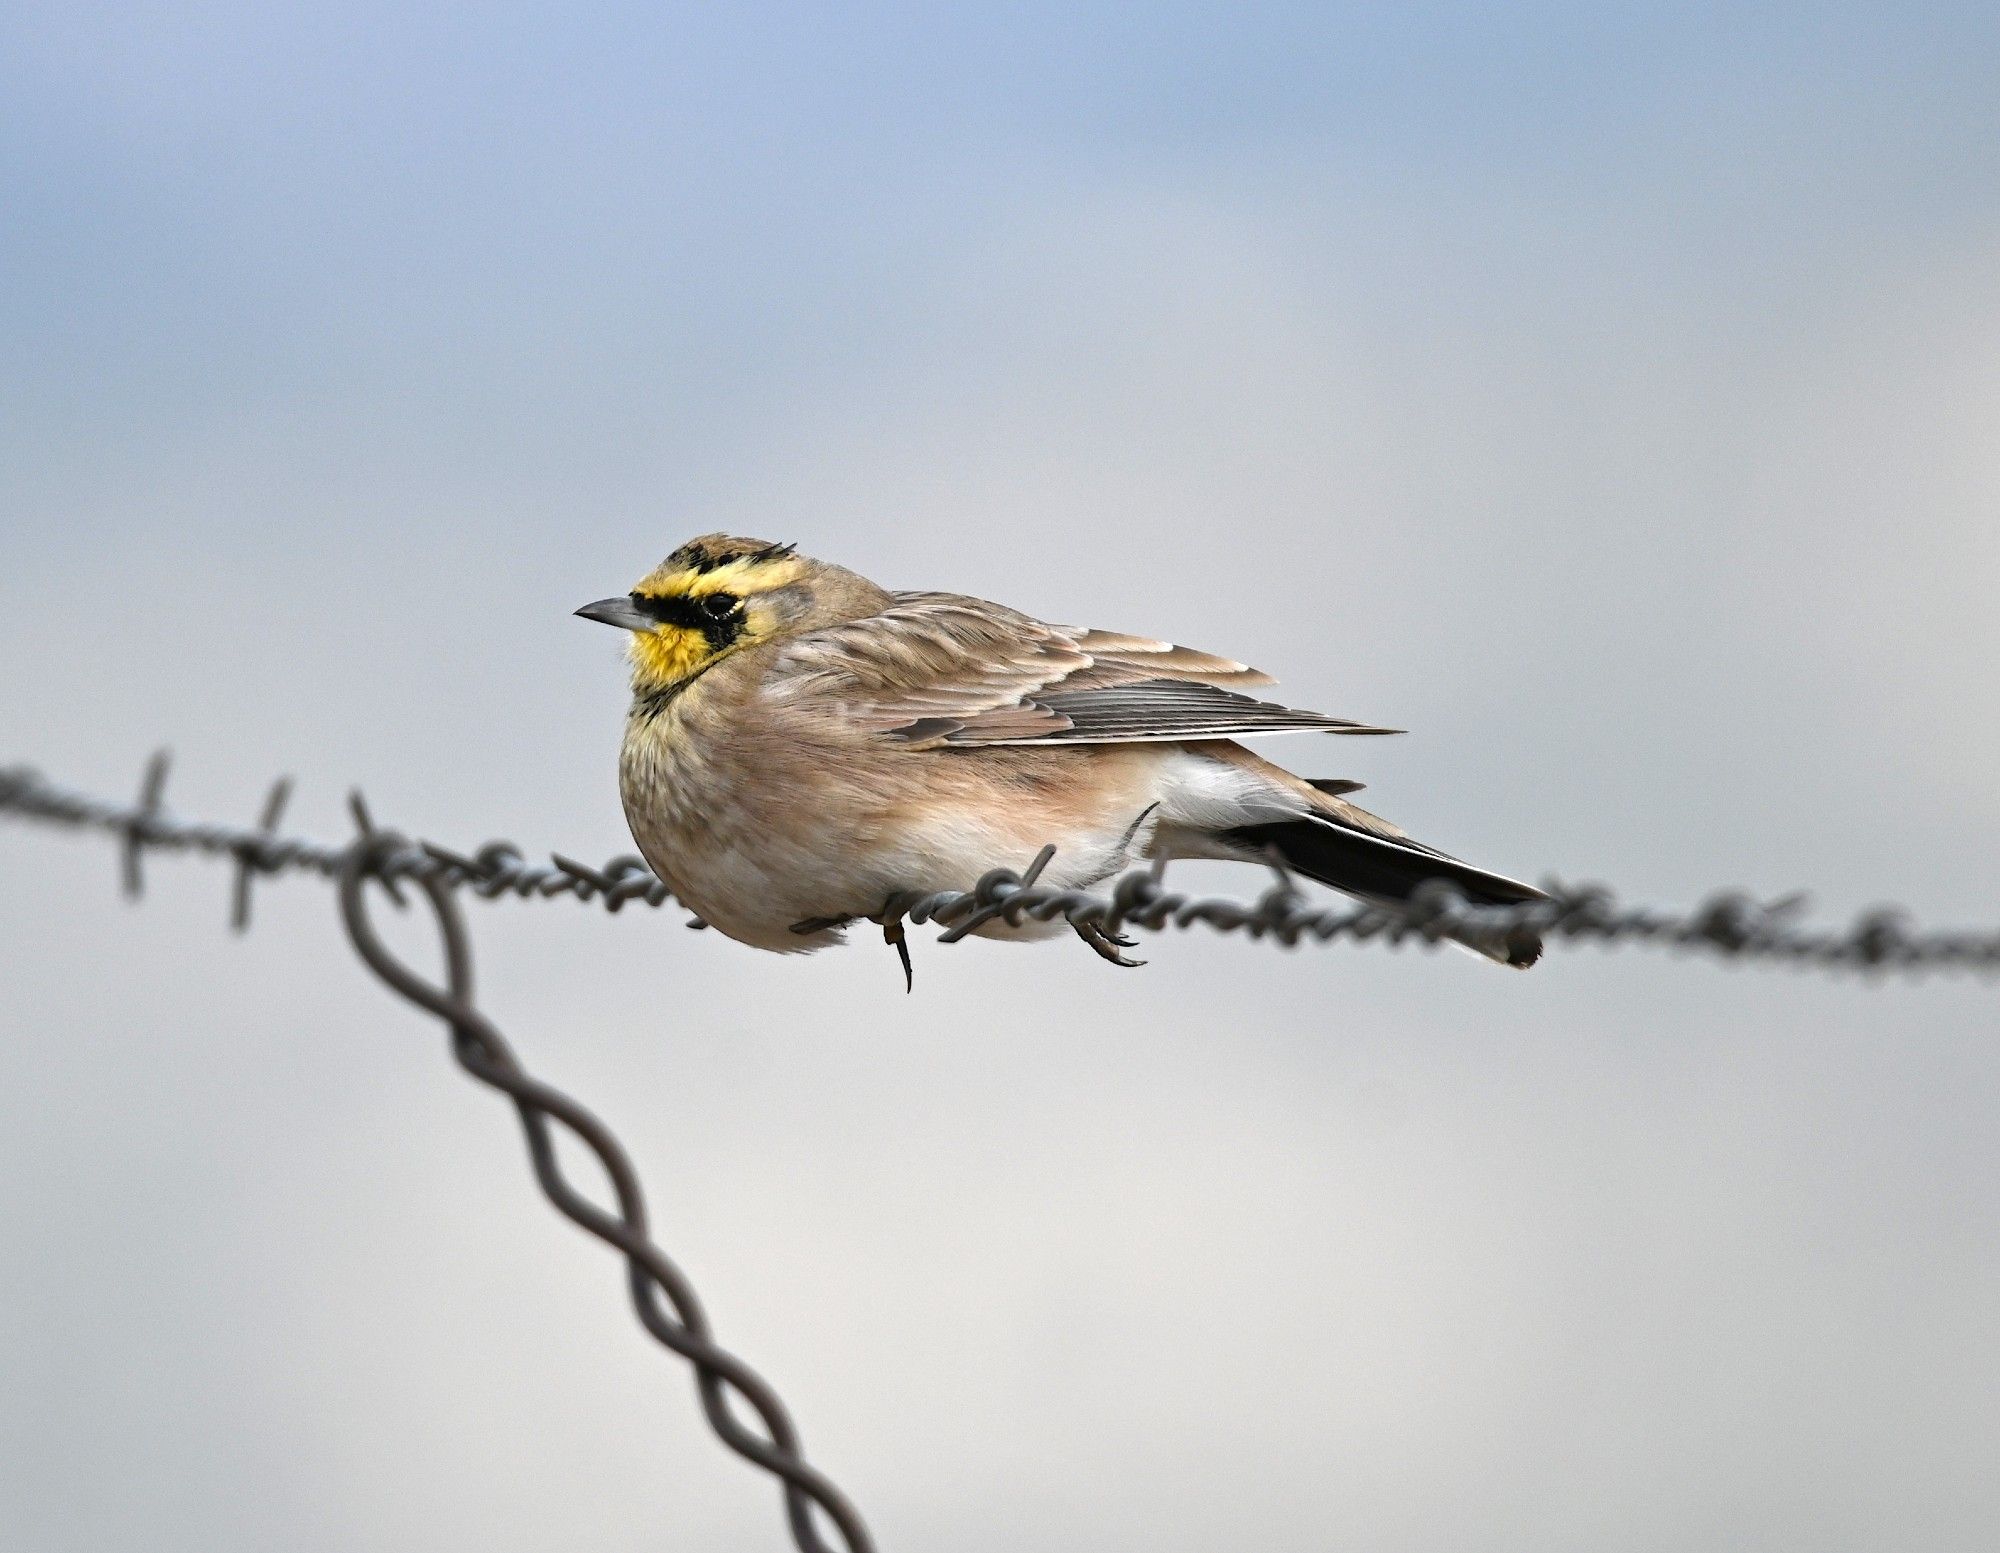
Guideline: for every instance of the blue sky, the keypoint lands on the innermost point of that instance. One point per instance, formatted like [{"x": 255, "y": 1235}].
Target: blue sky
[{"x": 201, "y": 181}]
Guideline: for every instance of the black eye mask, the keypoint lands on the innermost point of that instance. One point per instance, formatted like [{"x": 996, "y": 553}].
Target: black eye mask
[{"x": 717, "y": 616}]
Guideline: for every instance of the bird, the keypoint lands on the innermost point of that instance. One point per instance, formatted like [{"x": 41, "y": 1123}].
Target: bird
[{"x": 805, "y": 749}]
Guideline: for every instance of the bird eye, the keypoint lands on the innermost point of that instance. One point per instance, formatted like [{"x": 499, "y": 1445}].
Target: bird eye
[{"x": 718, "y": 605}]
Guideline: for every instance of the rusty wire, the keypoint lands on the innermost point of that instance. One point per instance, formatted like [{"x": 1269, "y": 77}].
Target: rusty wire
[{"x": 1729, "y": 924}]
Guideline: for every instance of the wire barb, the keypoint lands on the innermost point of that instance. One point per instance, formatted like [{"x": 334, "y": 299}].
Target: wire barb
[
  {"x": 138, "y": 824},
  {"x": 254, "y": 852}
]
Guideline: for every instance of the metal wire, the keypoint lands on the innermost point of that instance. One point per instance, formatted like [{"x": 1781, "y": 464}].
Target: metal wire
[
  {"x": 496, "y": 869},
  {"x": 1729, "y": 924},
  {"x": 661, "y": 1295}
]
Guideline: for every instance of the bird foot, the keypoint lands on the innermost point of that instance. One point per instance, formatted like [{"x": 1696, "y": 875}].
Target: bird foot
[
  {"x": 892, "y": 933},
  {"x": 1107, "y": 944},
  {"x": 891, "y": 920},
  {"x": 891, "y": 923}
]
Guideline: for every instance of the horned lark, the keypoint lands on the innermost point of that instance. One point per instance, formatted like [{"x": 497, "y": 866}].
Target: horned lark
[{"x": 804, "y": 748}]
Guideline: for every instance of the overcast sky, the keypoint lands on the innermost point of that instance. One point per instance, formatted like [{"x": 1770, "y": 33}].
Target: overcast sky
[{"x": 1610, "y": 399}]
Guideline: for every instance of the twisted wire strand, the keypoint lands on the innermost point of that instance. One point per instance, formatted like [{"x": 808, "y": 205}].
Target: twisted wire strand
[
  {"x": 662, "y": 1297},
  {"x": 1727, "y": 923},
  {"x": 661, "y": 1294}
]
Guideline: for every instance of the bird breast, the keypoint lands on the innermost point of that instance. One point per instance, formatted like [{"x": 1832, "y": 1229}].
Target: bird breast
[{"x": 757, "y": 824}]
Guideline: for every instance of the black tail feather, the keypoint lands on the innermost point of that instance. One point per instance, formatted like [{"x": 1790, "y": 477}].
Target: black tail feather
[{"x": 1378, "y": 868}]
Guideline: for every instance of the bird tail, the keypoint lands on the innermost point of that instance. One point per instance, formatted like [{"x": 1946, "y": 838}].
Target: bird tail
[{"x": 1339, "y": 846}]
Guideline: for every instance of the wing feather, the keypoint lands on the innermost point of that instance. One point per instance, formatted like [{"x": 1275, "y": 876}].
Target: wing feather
[{"x": 940, "y": 669}]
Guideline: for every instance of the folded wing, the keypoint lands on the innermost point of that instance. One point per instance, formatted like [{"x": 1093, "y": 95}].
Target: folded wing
[{"x": 942, "y": 670}]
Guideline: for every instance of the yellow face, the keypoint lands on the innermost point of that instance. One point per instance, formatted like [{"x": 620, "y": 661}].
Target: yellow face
[{"x": 702, "y": 603}]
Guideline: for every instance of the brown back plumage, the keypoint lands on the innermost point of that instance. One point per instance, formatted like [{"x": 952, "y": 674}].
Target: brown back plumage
[{"x": 942, "y": 669}]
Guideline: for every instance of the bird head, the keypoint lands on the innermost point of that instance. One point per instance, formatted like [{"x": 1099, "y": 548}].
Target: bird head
[{"x": 712, "y": 597}]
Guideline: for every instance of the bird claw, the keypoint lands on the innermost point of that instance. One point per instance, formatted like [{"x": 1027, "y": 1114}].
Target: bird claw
[
  {"x": 1107, "y": 944},
  {"x": 892, "y": 933}
]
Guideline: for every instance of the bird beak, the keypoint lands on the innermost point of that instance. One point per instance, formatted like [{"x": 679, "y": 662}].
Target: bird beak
[{"x": 620, "y": 612}]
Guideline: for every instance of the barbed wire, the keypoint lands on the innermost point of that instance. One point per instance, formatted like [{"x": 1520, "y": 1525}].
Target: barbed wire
[
  {"x": 662, "y": 1296},
  {"x": 143, "y": 825},
  {"x": 1728, "y": 923}
]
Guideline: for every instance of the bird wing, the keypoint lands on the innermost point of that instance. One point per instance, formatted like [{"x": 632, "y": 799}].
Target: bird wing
[{"x": 939, "y": 669}]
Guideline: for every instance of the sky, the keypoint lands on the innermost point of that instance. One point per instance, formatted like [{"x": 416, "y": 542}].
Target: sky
[{"x": 1606, "y": 394}]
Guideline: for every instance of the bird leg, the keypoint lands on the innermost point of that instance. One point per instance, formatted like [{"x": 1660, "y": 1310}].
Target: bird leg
[
  {"x": 1107, "y": 944},
  {"x": 891, "y": 922},
  {"x": 893, "y": 934}
]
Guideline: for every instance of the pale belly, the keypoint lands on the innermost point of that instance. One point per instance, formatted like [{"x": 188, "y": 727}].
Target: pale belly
[{"x": 755, "y": 854}]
